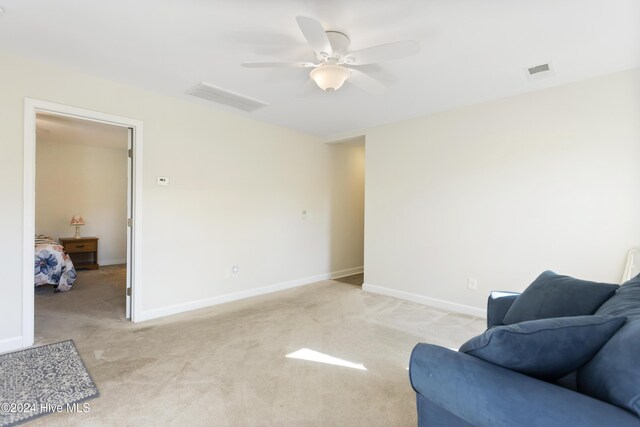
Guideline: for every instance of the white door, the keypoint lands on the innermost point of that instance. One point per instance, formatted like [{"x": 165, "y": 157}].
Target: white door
[{"x": 129, "y": 220}]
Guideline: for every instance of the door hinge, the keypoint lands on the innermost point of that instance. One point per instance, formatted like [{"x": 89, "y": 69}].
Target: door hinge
[
  {"x": 128, "y": 292},
  {"x": 130, "y": 153},
  {"x": 129, "y": 222}
]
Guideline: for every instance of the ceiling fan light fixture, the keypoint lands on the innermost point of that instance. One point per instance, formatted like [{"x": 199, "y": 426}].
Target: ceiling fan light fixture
[{"x": 330, "y": 77}]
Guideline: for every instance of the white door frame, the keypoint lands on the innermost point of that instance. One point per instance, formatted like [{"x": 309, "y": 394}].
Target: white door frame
[{"x": 31, "y": 108}]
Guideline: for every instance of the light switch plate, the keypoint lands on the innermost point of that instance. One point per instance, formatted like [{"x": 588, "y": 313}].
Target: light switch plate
[{"x": 162, "y": 180}]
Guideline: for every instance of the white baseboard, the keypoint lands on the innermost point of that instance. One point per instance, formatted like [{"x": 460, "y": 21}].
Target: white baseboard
[
  {"x": 10, "y": 344},
  {"x": 221, "y": 299},
  {"x": 421, "y": 299},
  {"x": 112, "y": 261},
  {"x": 347, "y": 272}
]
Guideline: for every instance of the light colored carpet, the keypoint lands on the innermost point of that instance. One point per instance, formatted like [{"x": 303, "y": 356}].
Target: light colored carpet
[{"x": 226, "y": 365}]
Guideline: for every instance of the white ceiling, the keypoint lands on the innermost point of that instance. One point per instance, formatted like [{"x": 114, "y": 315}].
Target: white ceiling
[
  {"x": 471, "y": 50},
  {"x": 70, "y": 130}
]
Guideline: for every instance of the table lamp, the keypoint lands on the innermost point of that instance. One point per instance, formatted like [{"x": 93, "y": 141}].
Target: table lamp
[{"x": 77, "y": 220}]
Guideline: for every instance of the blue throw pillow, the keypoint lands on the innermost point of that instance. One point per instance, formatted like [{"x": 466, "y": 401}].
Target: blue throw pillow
[
  {"x": 553, "y": 295},
  {"x": 546, "y": 348},
  {"x": 613, "y": 375}
]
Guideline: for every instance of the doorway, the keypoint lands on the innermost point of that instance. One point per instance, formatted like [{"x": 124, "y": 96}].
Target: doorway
[
  {"x": 85, "y": 251},
  {"x": 347, "y": 210}
]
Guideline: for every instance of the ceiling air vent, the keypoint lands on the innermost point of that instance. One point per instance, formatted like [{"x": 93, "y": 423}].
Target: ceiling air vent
[
  {"x": 539, "y": 69},
  {"x": 539, "y": 72},
  {"x": 211, "y": 93}
]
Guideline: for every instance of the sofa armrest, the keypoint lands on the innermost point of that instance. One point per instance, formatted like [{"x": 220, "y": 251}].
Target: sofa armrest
[
  {"x": 483, "y": 394},
  {"x": 498, "y": 304}
]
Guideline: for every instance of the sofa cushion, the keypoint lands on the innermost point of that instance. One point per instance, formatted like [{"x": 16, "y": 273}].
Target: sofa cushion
[
  {"x": 487, "y": 395},
  {"x": 625, "y": 302},
  {"x": 546, "y": 348},
  {"x": 613, "y": 375},
  {"x": 553, "y": 295}
]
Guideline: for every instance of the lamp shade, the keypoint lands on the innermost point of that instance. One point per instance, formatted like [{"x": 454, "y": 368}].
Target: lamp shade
[
  {"x": 330, "y": 77},
  {"x": 77, "y": 220}
]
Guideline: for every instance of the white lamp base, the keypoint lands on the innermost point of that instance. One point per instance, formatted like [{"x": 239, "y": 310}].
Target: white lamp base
[{"x": 77, "y": 236}]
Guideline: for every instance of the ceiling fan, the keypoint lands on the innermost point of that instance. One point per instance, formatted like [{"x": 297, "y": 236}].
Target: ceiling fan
[{"x": 335, "y": 62}]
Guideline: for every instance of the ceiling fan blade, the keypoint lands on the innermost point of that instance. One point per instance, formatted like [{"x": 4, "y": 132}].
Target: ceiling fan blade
[
  {"x": 278, "y": 64},
  {"x": 383, "y": 52},
  {"x": 365, "y": 82},
  {"x": 315, "y": 35}
]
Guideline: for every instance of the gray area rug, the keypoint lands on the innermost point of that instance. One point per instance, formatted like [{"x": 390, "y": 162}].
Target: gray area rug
[{"x": 43, "y": 380}]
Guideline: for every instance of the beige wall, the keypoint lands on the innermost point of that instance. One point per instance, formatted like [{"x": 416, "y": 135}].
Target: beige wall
[
  {"x": 92, "y": 181},
  {"x": 237, "y": 190},
  {"x": 504, "y": 190},
  {"x": 347, "y": 205}
]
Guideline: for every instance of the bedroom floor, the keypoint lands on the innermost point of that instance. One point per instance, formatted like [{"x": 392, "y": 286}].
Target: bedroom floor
[
  {"x": 226, "y": 365},
  {"x": 97, "y": 296}
]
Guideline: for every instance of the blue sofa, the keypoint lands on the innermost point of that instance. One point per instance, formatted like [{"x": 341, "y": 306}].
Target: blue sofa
[{"x": 457, "y": 389}]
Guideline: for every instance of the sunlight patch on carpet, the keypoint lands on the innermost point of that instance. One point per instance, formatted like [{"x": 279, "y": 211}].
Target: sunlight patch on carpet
[{"x": 316, "y": 356}]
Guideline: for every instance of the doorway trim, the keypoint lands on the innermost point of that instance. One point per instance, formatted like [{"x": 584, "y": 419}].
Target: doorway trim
[{"x": 31, "y": 108}]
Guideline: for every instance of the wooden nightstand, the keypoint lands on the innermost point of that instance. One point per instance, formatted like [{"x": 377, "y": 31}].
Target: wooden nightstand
[{"x": 83, "y": 251}]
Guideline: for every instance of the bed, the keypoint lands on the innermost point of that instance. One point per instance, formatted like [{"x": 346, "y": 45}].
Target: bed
[{"x": 52, "y": 266}]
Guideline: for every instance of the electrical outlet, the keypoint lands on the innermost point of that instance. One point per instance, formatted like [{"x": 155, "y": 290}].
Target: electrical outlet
[
  {"x": 235, "y": 270},
  {"x": 472, "y": 283},
  {"x": 304, "y": 214}
]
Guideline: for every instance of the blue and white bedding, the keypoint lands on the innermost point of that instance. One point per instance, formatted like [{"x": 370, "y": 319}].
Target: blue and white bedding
[{"x": 52, "y": 265}]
